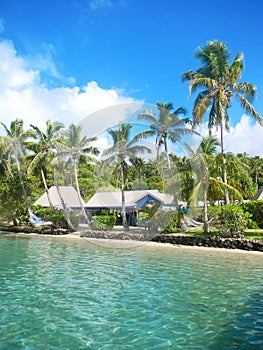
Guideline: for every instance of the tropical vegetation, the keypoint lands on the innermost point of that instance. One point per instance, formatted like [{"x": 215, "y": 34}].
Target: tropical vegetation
[{"x": 31, "y": 157}]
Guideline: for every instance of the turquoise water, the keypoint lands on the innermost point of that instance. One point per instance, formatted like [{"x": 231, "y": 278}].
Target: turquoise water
[{"x": 72, "y": 294}]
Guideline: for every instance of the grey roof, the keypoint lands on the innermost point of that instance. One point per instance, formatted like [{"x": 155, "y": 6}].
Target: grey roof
[
  {"x": 68, "y": 193},
  {"x": 113, "y": 199},
  {"x": 259, "y": 194}
]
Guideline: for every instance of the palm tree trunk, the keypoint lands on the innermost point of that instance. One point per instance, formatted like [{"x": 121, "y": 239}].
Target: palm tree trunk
[
  {"x": 78, "y": 192},
  {"x": 206, "y": 226},
  {"x": 222, "y": 126},
  {"x": 64, "y": 208},
  {"x": 123, "y": 208},
  {"x": 256, "y": 180},
  {"x": 23, "y": 185},
  {"x": 158, "y": 147},
  {"x": 167, "y": 154},
  {"x": 47, "y": 190}
]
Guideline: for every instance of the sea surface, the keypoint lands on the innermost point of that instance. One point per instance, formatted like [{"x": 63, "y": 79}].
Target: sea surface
[{"x": 59, "y": 293}]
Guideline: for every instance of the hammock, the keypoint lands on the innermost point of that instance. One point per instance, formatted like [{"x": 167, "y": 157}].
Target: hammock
[
  {"x": 194, "y": 223},
  {"x": 36, "y": 220}
]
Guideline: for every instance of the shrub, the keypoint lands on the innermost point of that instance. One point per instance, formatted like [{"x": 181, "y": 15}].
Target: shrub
[
  {"x": 103, "y": 221},
  {"x": 43, "y": 213},
  {"x": 175, "y": 224},
  {"x": 255, "y": 208},
  {"x": 230, "y": 220},
  {"x": 58, "y": 220}
]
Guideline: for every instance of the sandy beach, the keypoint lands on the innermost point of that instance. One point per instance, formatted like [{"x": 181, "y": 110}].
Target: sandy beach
[{"x": 126, "y": 244}]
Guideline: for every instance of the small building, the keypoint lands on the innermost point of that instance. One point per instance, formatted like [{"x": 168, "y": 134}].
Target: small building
[
  {"x": 134, "y": 201},
  {"x": 68, "y": 194}
]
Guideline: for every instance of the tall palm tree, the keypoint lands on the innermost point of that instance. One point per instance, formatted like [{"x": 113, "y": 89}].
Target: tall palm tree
[
  {"x": 167, "y": 125},
  {"x": 74, "y": 147},
  {"x": 218, "y": 79},
  {"x": 124, "y": 147},
  {"x": 16, "y": 140},
  {"x": 43, "y": 150}
]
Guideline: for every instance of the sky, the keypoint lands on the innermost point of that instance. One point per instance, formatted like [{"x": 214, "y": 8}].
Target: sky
[{"x": 68, "y": 60}]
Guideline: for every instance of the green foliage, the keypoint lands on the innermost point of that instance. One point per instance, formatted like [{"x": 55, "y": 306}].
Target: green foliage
[
  {"x": 175, "y": 224},
  {"x": 230, "y": 220},
  {"x": 255, "y": 208},
  {"x": 102, "y": 222},
  {"x": 150, "y": 212},
  {"x": 57, "y": 218},
  {"x": 12, "y": 203},
  {"x": 43, "y": 213}
]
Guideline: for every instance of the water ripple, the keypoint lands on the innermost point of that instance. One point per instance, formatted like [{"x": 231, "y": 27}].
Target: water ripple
[{"x": 59, "y": 294}]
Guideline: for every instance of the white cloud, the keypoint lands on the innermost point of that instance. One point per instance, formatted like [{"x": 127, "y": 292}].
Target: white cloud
[
  {"x": 23, "y": 96},
  {"x": 245, "y": 136},
  {"x": 98, "y": 4}
]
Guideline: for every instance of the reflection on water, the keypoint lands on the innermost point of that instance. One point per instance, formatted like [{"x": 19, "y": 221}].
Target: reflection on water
[{"x": 73, "y": 294}]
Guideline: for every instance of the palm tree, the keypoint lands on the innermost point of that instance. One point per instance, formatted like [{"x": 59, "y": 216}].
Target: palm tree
[
  {"x": 218, "y": 79},
  {"x": 75, "y": 147},
  {"x": 167, "y": 125},
  {"x": 16, "y": 140},
  {"x": 124, "y": 147},
  {"x": 256, "y": 164},
  {"x": 203, "y": 166},
  {"x": 44, "y": 150}
]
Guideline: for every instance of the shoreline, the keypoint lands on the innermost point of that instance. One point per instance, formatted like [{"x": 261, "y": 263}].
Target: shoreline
[{"x": 125, "y": 243}]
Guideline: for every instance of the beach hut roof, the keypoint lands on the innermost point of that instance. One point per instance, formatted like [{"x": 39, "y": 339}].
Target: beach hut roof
[
  {"x": 133, "y": 199},
  {"x": 68, "y": 193},
  {"x": 259, "y": 194}
]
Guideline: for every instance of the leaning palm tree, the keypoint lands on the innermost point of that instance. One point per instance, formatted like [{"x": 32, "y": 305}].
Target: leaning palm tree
[
  {"x": 16, "y": 140},
  {"x": 167, "y": 125},
  {"x": 74, "y": 146},
  {"x": 124, "y": 148},
  {"x": 218, "y": 79},
  {"x": 43, "y": 150}
]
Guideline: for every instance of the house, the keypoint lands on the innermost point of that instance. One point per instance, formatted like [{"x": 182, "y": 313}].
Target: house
[
  {"x": 134, "y": 201},
  {"x": 68, "y": 194}
]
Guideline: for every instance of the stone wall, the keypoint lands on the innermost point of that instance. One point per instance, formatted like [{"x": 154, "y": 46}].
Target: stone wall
[{"x": 214, "y": 242}]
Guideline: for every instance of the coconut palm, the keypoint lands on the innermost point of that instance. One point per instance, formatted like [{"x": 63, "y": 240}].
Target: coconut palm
[
  {"x": 124, "y": 148},
  {"x": 76, "y": 147},
  {"x": 167, "y": 125},
  {"x": 43, "y": 150},
  {"x": 204, "y": 167},
  {"x": 16, "y": 140},
  {"x": 218, "y": 79}
]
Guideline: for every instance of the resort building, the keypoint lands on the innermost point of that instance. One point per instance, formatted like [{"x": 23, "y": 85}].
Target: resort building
[
  {"x": 68, "y": 194},
  {"x": 134, "y": 202}
]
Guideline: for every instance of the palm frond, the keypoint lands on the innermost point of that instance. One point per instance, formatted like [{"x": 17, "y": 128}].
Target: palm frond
[
  {"x": 247, "y": 89},
  {"x": 247, "y": 106}
]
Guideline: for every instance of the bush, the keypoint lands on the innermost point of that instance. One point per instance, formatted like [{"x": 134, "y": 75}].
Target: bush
[
  {"x": 58, "y": 220},
  {"x": 43, "y": 213},
  {"x": 102, "y": 222},
  {"x": 255, "y": 208},
  {"x": 175, "y": 224},
  {"x": 230, "y": 220}
]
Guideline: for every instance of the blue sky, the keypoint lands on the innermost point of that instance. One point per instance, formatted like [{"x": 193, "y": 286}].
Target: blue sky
[{"x": 74, "y": 57}]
